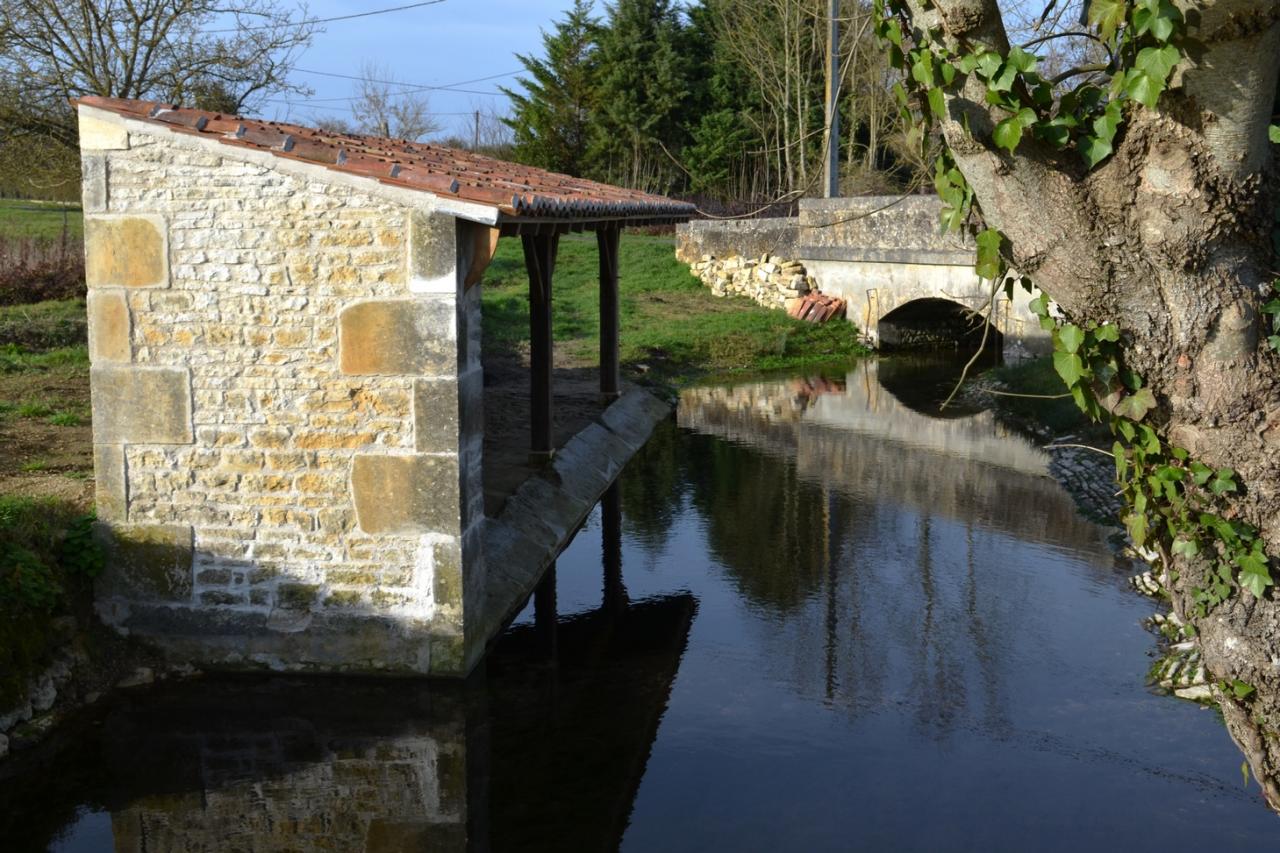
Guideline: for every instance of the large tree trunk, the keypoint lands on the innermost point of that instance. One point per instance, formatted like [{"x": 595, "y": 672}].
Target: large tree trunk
[{"x": 1170, "y": 240}]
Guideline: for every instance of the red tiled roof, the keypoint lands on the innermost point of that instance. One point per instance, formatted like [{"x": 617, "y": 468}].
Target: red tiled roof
[{"x": 516, "y": 191}]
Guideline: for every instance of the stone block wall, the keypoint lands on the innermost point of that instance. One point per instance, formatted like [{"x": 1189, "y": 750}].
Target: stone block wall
[
  {"x": 727, "y": 238},
  {"x": 286, "y": 408}
]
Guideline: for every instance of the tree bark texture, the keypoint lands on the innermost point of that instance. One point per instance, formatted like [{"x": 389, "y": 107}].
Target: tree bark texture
[{"x": 1170, "y": 240}]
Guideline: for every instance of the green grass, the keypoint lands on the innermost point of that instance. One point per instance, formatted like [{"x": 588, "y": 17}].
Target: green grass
[
  {"x": 15, "y": 359},
  {"x": 670, "y": 321},
  {"x": 1037, "y": 376},
  {"x": 44, "y": 325},
  {"x": 40, "y": 220}
]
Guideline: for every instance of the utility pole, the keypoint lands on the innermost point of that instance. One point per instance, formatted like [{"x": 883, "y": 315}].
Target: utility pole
[
  {"x": 831, "y": 184},
  {"x": 476, "y": 146}
]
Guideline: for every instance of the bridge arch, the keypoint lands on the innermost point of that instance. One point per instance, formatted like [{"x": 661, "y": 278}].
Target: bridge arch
[{"x": 937, "y": 323}]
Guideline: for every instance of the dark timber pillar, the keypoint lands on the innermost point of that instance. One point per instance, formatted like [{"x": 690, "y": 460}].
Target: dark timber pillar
[
  {"x": 607, "y": 239},
  {"x": 615, "y": 594},
  {"x": 544, "y": 611},
  {"x": 540, "y": 261}
]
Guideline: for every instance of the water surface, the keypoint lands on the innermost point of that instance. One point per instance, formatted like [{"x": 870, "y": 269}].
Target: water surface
[{"x": 814, "y": 615}]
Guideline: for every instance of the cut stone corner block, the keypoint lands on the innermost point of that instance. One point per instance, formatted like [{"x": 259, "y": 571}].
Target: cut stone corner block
[
  {"x": 101, "y": 134},
  {"x": 433, "y": 253},
  {"x": 399, "y": 337},
  {"x": 146, "y": 562},
  {"x": 110, "y": 326},
  {"x": 126, "y": 251},
  {"x": 406, "y": 494},
  {"x": 111, "y": 494},
  {"x": 141, "y": 405}
]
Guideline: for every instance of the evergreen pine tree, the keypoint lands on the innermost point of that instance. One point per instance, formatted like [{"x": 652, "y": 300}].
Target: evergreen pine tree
[{"x": 552, "y": 119}]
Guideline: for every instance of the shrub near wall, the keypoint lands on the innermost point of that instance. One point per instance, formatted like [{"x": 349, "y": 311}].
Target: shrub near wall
[
  {"x": 47, "y": 560},
  {"x": 35, "y": 270}
]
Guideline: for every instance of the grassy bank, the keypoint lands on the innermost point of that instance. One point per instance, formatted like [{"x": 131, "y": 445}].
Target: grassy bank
[{"x": 672, "y": 328}]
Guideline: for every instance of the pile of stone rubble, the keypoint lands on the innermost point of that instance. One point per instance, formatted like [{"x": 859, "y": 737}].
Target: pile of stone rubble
[{"x": 768, "y": 280}]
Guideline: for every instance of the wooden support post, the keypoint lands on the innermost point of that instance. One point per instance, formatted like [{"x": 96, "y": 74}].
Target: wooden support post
[
  {"x": 544, "y": 611},
  {"x": 615, "y": 593},
  {"x": 540, "y": 262},
  {"x": 607, "y": 240}
]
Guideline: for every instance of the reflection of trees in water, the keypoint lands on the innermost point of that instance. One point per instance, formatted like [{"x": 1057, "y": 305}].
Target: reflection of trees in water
[{"x": 865, "y": 595}]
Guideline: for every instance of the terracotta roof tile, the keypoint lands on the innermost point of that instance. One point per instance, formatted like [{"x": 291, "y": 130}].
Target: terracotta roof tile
[{"x": 518, "y": 192}]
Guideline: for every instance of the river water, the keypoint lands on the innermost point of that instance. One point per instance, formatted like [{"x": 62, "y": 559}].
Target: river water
[{"x": 813, "y": 615}]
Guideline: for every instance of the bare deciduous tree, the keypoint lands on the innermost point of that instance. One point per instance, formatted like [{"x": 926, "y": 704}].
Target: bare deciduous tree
[
  {"x": 383, "y": 107},
  {"x": 221, "y": 54}
]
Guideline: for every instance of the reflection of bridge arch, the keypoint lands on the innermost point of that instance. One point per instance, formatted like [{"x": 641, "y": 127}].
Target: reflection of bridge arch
[{"x": 933, "y": 322}]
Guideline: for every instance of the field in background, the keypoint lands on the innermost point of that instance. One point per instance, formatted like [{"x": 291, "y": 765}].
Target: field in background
[{"x": 41, "y": 220}]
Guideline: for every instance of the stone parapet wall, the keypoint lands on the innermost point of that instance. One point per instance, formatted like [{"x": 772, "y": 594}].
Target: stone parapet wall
[
  {"x": 286, "y": 387},
  {"x": 880, "y": 229},
  {"x": 726, "y": 238}
]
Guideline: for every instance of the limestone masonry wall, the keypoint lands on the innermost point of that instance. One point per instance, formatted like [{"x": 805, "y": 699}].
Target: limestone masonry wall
[{"x": 286, "y": 408}]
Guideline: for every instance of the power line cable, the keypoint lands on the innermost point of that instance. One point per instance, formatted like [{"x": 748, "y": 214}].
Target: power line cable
[
  {"x": 403, "y": 83},
  {"x": 310, "y": 21}
]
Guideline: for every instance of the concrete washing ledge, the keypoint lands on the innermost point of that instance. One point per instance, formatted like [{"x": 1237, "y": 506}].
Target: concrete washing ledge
[{"x": 545, "y": 513}]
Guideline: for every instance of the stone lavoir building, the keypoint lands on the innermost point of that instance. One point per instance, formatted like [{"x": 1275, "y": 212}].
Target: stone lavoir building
[{"x": 284, "y": 330}]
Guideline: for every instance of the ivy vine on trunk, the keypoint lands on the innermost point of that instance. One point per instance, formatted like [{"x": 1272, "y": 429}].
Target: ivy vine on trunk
[{"x": 1139, "y": 193}]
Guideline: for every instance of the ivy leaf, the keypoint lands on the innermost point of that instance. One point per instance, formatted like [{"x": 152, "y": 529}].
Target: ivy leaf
[
  {"x": 937, "y": 105},
  {"x": 1008, "y": 133},
  {"x": 1186, "y": 547},
  {"x": 1200, "y": 473},
  {"x": 1107, "y": 332},
  {"x": 1224, "y": 480},
  {"x": 922, "y": 69},
  {"x": 1003, "y": 81},
  {"x": 1157, "y": 61},
  {"x": 1107, "y": 16},
  {"x": 1136, "y": 523},
  {"x": 988, "y": 263},
  {"x": 1022, "y": 61},
  {"x": 1254, "y": 574},
  {"x": 1273, "y": 132},
  {"x": 1136, "y": 405},
  {"x": 1057, "y": 132},
  {"x": 1144, "y": 88},
  {"x": 968, "y": 62},
  {"x": 988, "y": 64},
  {"x": 1274, "y": 341},
  {"x": 1242, "y": 689},
  {"x": 893, "y": 32},
  {"x": 1094, "y": 150},
  {"x": 1071, "y": 337},
  {"x": 1069, "y": 367}
]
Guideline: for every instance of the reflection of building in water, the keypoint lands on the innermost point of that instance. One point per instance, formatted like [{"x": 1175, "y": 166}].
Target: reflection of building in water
[{"x": 544, "y": 750}]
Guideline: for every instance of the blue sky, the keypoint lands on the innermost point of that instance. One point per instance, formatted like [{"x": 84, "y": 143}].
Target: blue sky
[{"x": 453, "y": 41}]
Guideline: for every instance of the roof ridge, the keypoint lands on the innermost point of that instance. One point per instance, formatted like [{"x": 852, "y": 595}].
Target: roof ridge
[{"x": 516, "y": 190}]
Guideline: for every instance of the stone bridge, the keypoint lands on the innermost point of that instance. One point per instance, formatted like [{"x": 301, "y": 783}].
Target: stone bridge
[{"x": 906, "y": 284}]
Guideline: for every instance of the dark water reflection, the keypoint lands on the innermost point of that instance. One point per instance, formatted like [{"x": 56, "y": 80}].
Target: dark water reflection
[{"x": 840, "y": 624}]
